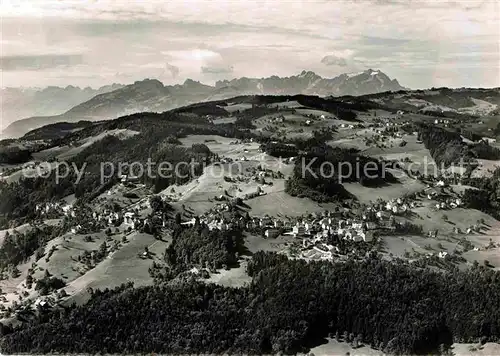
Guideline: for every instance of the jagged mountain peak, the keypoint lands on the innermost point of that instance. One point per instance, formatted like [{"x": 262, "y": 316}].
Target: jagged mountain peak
[
  {"x": 149, "y": 83},
  {"x": 309, "y": 74},
  {"x": 190, "y": 83}
]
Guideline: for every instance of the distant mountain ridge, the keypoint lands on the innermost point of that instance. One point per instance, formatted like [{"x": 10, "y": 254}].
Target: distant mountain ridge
[
  {"x": 310, "y": 83},
  {"x": 18, "y": 103},
  {"x": 152, "y": 95}
]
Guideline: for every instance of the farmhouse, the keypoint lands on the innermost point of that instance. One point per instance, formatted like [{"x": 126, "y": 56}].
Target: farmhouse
[
  {"x": 298, "y": 230},
  {"x": 272, "y": 233},
  {"x": 189, "y": 223},
  {"x": 489, "y": 140}
]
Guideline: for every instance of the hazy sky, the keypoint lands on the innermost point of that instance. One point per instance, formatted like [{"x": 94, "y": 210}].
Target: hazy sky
[{"x": 78, "y": 42}]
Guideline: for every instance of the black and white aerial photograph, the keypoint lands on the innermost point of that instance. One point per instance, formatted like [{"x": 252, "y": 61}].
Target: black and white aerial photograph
[{"x": 250, "y": 177}]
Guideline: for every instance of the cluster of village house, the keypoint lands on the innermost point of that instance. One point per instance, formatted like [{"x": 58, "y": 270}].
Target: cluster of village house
[
  {"x": 281, "y": 118},
  {"x": 316, "y": 228},
  {"x": 314, "y": 231},
  {"x": 387, "y": 128},
  {"x": 469, "y": 230},
  {"x": 56, "y": 207},
  {"x": 397, "y": 206},
  {"x": 448, "y": 203},
  {"x": 356, "y": 230},
  {"x": 442, "y": 121},
  {"x": 106, "y": 217}
]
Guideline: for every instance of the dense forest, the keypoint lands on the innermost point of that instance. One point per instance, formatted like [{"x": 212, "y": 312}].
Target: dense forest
[
  {"x": 9, "y": 155},
  {"x": 17, "y": 247},
  {"x": 319, "y": 173},
  {"x": 280, "y": 150},
  {"x": 447, "y": 147},
  {"x": 200, "y": 246},
  {"x": 209, "y": 108},
  {"x": 496, "y": 131},
  {"x": 484, "y": 150},
  {"x": 57, "y": 130},
  {"x": 487, "y": 195},
  {"x": 288, "y": 306}
]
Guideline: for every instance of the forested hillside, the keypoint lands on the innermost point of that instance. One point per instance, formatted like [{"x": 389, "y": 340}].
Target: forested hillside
[
  {"x": 289, "y": 304},
  {"x": 157, "y": 132}
]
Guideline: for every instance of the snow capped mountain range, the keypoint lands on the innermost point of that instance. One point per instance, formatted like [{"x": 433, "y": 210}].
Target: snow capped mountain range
[{"x": 307, "y": 82}]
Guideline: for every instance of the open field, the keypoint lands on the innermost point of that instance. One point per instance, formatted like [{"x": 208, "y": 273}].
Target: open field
[
  {"x": 224, "y": 146},
  {"x": 448, "y": 240},
  {"x": 279, "y": 203},
  {"x": 13, "y": 286},
  {"x": 48, "y": 153},
  {"x": 398, "y": 246},
  {"x": 488, "y": 349},
  {"x": 485, "y": 168},
  {"x": 349, "y": 142},
  {"x": 211, "y": 184},
  {"x": 43, "y": 167},
  {"x": 481, "y": 107},
  {"x": 62, "y": 255},
  {"x": 315, "y": 112},
  {"x": 232, "y": 107},
  {"x": 334, "y": 347},
  {"x": 122, "y": 266},
  {"x": 199, "y": 194},
  {"x": 427, "y": 216},
  {"x": 412, "y": 145},
  {"x": 234, "y": 277},
  {"x": 116, "y": 195},
  {"x": 298, "y": 123},
  {"x": 29, "y": 172},
  {"x": 292, "y": 104},
  {"x": 224, "y": 120},
  {"x": 256, "y": 243},
  {"x": 406, "y": 185}
]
